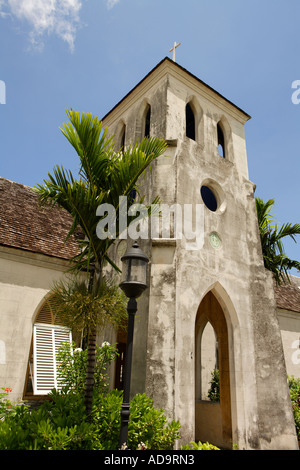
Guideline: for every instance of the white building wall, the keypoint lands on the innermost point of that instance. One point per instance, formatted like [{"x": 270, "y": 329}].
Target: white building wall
[{"x": 25, "y": 280}]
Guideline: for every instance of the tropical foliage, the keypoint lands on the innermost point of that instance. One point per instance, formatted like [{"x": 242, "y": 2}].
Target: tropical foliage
[
  {"x": 61, "y": 423},
  {"x": 199, "y": 446},
  {"x": 275, "y": 258},
  {"x": 214, "y": 390},
  {"x": 294, "y": 386},
  {"x": 104, "y": 176},
  {"x": 83, "y": 310},
  {"x": 72, "y": 365}
]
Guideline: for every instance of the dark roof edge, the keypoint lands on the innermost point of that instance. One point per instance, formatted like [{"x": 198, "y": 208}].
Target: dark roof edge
[
  {"x": 34, "y": 252},
  {"x": 186, "y": 71}
]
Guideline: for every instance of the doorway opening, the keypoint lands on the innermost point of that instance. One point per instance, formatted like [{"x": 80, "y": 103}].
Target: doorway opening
[{"x": 212, "y": 386}]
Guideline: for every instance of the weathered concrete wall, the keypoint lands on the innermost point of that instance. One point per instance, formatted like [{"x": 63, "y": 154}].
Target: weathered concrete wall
[{"x": 209, "y": 423}]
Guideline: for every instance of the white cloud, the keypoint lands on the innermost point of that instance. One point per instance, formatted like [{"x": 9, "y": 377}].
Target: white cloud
[
  {"x": 111, "y": 3},
  {"x": 60, "y": 17}
]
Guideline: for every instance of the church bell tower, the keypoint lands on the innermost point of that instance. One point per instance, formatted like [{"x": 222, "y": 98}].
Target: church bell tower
[{"x": 210, "y": 302}]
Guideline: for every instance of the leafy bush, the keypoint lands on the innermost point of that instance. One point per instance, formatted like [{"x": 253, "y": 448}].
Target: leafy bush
[
  {"x": 5, "y": 404},
  {"x": 61, "y": 424},
  {"x": 214, "y": 391},
  {"x": 106, "y": 416},
  {"x": 73, "y": 362},
  {"x": 148, "y": 427},
  {"x": 58, "y": 424},
  {"x": 199, "y": 446},
  {"x": 294, "y": 386}
]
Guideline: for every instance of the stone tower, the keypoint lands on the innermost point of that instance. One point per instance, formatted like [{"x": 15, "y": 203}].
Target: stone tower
[{"x": 216, "y": 279}]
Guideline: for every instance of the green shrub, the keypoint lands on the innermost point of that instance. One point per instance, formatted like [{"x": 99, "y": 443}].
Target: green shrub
[
  {"x": 106, "y": 416},
  {"x": 61, "y": 424},
  {"x": 214, "y": 391},
  {"x": 294, "y": 386},
  {"x": 5, "y": 404},
  {"x": 58, "y": 424},
  {"x": 148, "y": 426},
  {"x": 199, "y": 446},
  {"x": 73, "y": 362}
]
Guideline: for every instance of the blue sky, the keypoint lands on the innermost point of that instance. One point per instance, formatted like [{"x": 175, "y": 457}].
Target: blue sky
[{"x": 87, "y": 54}]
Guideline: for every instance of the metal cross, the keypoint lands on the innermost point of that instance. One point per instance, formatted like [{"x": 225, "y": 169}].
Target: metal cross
[{"x": 174, "y": 50}]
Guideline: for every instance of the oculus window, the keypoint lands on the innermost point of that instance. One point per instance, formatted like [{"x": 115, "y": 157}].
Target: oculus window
[{"x": 209, "y": 198}]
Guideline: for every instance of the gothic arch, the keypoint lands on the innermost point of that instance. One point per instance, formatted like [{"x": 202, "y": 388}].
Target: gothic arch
[
  {"x": 225, "y": 301},
  {"x": 194, "y": 105},
  {"x": 143, "y": 122},
  {"x": 221, "y": 140},
  {"x": 120, "y": 141},
  {"x": 217, "y": 309},
  {"x": 224, "y": 138},
  {"x": 190, "y": 127}
]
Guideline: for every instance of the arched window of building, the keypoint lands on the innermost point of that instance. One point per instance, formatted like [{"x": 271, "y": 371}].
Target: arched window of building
[
  {"x": 122, "y": 140},
  {"x": 147, "y": 121},
  {"x": 209, "y": 359},
  {"x": 190, "y": 127},
  {"x": 48, "y": 336},
  {"x": 212, "y": 374},
  {"x": 221, "y": 141}
]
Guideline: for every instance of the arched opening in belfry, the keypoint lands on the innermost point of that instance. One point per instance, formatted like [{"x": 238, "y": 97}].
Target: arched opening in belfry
[
  {"x": 221, "y": 141},
  {"x": 122, "y": 138},
  {"x": 190, "y": 124},
  {"x": 147, "y": 121},
  {"x": 212, "y": 378}
]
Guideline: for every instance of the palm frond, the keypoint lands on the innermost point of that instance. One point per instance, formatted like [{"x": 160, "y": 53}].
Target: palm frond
[
  {"x": 275, "y": 258},
  {"x": 104, "y": 176},
  {"x": 86, "y": 134},
  {"x": 82, "y": 310}
]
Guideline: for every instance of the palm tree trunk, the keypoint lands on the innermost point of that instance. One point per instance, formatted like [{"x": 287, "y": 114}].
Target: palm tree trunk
[
  {"x": 90, "y": 370},
  {"x": 94, "y": 284}
]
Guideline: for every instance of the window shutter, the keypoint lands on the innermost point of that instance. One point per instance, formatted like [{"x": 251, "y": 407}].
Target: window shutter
[{"x": 47, "y": 339}]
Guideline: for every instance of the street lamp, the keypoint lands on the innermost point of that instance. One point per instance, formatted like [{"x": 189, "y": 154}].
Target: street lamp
[{"x": 133, "y": 284}]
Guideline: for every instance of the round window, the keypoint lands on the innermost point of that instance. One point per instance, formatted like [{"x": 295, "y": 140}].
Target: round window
[{"x": 209, "y": 198}]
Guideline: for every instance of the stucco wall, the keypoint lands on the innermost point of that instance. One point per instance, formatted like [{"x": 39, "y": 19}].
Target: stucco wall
[
  {"x": 25, "y": 280},
  {"x": 289, "y": 323}
]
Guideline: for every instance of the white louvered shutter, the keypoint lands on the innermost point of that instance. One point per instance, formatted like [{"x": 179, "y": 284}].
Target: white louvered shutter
[{"x": 47, "y": 339}]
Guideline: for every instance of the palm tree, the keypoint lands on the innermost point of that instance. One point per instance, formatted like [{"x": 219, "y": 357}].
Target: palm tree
[
  {"x": 275, "y": 259},
  {"x": 82, "y": 310},
  {"x": 104, "y": 176}
]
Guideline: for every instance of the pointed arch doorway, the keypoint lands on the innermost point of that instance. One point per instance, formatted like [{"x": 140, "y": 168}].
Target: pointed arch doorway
[{"x": 212, "y": 418}]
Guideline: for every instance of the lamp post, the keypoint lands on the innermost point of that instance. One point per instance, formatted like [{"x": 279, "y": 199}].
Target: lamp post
[{"x": 133, "y": 284}]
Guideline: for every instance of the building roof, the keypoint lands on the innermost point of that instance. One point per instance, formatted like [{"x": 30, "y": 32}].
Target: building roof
[
  {"x": 288, "y": 295},
  {"x": 175, "y": 66},
  {"x": 25, "y": 225}
]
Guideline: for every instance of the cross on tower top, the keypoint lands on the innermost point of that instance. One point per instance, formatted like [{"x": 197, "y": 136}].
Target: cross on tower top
[{"x": 174, "y": 50}]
